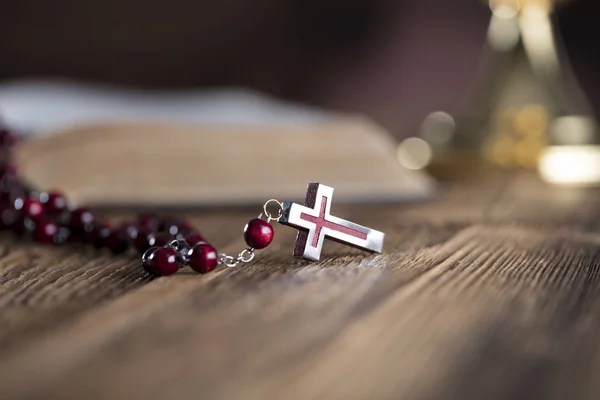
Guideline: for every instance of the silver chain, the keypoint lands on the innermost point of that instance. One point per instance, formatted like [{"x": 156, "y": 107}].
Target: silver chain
[{"x": 245, "y": 256}]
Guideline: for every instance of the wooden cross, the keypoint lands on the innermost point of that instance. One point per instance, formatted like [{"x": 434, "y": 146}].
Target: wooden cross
[{"x": 315, "y": 222}]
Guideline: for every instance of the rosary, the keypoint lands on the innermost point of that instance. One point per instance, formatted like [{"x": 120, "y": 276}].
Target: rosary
[{"x": 167, "y": 245}]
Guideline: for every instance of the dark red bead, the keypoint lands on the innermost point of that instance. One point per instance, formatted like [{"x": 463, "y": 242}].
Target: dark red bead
[
  {"x": 258, "y": 233},
  {"x": 98, "y": 234},
  {"x": 203, "y": 258},
  {"x": 176, "y": 227},
  {"x": 159, "y": 239},
  {"x": 80, "y": 219},
  {"x": 118, "y": 241},
  {"x": 194, "y": 238},
  {"x": 141, "y": 241},
  {"x": 64, "y": 235},
  {"x": 149, "y": 221},
  {"x": 45, "y": 231},
  {"x": 76, "y": 235},
  {"x": 54, "y": 202},
  {"x": 131, "y": 229},
  {"x": 30, "y": 208},
  {"x": 161, "y": 261},
  {"x": 147, "y": 260},
  {"x": 22, "y": 226},
  {"x": 146, "y": 239}
]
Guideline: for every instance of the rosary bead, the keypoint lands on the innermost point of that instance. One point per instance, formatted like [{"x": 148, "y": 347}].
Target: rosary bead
[
  {"x": 118, "y": 241},
  {"x": 193, "y": 239},
  {"x": 147, "y": 260},
  {"x": 54, "y": 203},
  {"x": 131, "y": 229},
  {"x": 76, "y": 235},
  {"x": 141, "y": 241},
  {"x": 202, "y": 258},
  {"x": 22, "y": 226},
  {"x": 161, "y": 261},
  {"x": 63, "y": 235},
  {"x": 30, "y": 208},
  {"x": 80, "y": 219},
  {"x": 45, "y": 231},
  {"x": 98, "y": 234},
  {"x": 159, "y": 239},
  {"x": 176, "y": 227},
  {"x": 149, "y": 221},
  {"x": 147, "y": 239},
  {"x": 258, "y": 233}
]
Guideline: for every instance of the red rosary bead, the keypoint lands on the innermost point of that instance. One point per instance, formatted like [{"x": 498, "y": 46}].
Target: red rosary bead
[
  {"x": 146, "y": 239},
  {"x": 161, "y": 261},
  {"x": 45, "y": 231},
  {"x": 54, "y": 202},
  {"x": 63, "y": 235},
  {"x": 132, "y": 230},
  {"x": 98, "y": 234},
  {"x": 193, "y": 239},
  {"x": 258, "y": 233},
  {"x": 202, "y": 258},
  {"x": 147, "y": 260},
  {"x": 30, "y": 208},
  {"x": 80, "y": 219},
  {"x": 141, "y": 241},
  {"x": 22, "y": 226},
  {"x": 118, "y": 241},
  {"x": 149, "y": 221},
  {"x": 176, "y": 227}
]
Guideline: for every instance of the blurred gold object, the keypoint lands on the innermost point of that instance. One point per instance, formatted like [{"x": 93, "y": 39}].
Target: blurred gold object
[
  {"x": 519, "y": 136},
  {"x": 530, "y": 100}
]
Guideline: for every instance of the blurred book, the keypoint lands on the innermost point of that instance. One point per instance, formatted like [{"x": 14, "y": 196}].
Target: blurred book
[{"x": 109, "y": 146}]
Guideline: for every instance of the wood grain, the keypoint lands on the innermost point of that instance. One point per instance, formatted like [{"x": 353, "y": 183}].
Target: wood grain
[{"x": 490, "y": 292}]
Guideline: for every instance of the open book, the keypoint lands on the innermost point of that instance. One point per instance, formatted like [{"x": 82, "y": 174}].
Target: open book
[{"x": 113, "y": 147}]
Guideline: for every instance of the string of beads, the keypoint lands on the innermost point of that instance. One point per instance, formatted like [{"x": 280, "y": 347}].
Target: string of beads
[{"x": 164, "y": 244}]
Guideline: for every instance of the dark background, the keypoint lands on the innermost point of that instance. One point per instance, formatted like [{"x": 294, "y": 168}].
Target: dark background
[{"x": 394, "y": 60}]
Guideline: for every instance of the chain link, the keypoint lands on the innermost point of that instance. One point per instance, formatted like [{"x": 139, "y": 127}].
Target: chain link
[
  {"x": 268, "y": 215},
  {"x": 245, "y": 256}
]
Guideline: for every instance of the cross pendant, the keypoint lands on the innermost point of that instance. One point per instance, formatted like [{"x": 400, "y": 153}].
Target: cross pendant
[{"x": 314, "y": 223}]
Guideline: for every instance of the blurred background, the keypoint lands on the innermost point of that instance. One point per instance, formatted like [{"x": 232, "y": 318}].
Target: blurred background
[
  {"x": 503, "y": 79},
  {"x": 395, "y": 60}
]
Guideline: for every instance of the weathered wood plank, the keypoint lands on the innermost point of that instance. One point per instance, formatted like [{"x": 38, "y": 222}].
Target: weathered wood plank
[{"x": 489, "y": 292}]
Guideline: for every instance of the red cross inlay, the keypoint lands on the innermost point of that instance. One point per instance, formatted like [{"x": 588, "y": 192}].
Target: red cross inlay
[{"x": 320, "y": 223}]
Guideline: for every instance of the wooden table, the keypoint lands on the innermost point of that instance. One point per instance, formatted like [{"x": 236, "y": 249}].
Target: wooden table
[{"x": 492, "y": 291}]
